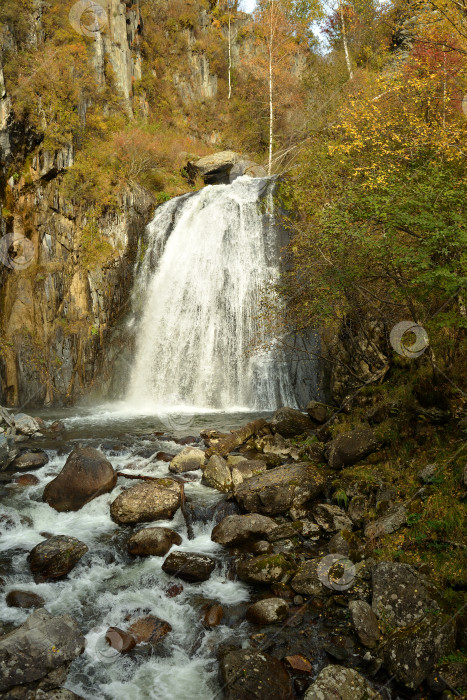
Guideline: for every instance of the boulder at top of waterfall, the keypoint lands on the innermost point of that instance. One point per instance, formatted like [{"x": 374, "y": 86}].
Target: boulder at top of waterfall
[
  {"x": 277, "y": 490},
  {"x": 268, "y": 611},
  {"x": 290, "y": 422},
  {"x": 399, "y": 596},
  {"x": 266, "y": 568},
  {"x": 411, "y": 652},
  {"x": 189, "y": 566},
  {"x": 217, "y": 474},
  {"x": 223, "y": 167},
  {"x": 340, "y": 683},
  {"x": 189, "y": 459},
  {"x": 24, "y": 599},
  {"x": 365, "y": 622},
  {"x": 31, "y": 460},
  {"x": 148, "y": 501},
  {"x": 37, "y": 648},
  {"x": 348, "y": 448},
  {"x": 86, "y": 474},
  {"x": 26, "y": 425},
  {"x": 55, "y": 557},
  {"x": 155, "y": 541},
  {"x": 235, "y": 529},
  {"x": 253, "y": 674}
]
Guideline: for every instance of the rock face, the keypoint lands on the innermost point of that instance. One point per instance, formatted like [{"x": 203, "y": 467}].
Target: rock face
[
  {"x": 349, "y": 448},
  {"x": 235, "y": 529},
  {"x": 155, "y": 541},
  {"x": 155, "y": 500},
  {"x": 267, "y": 612},
  {"x": 365, "y": 623},
  {"x": 55, "y": 557},
  {"x": 289, "y": 422},
  {"x": 86, "y": 474},
  {"x": 253, "y": 674},
  {"x": 399, "y": 596},
  {"x": 331, "y": 518},
  {"x": 31, "y": 460},
  {"x": 339, "y": 683},
  {"x": 189, "y": 459},
  {"x": 411, "y": 653},
  {"x": 217, "y": 474},
  {"x": 37, "y": 648},
  {"x": 267, "y": 568},
  {"x": 189, "y": 566},
  {"x": 279, "y": 489}
]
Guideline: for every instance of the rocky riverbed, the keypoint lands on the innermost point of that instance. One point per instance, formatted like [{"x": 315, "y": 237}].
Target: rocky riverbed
[{"x": 151, "y": 564}]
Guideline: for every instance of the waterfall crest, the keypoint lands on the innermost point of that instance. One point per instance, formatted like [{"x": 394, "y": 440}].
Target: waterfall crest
[{"x": 197, "y": 295}]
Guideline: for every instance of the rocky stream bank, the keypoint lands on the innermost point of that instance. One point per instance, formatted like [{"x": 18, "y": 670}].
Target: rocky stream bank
[{"x": 317, "y": 612}]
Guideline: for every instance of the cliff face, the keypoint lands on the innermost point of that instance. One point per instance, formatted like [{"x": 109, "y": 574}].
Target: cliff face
[{"x": 57, "y": 308}]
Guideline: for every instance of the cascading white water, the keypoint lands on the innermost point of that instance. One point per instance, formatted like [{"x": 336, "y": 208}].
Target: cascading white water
[{"x": 209, "y": 255}]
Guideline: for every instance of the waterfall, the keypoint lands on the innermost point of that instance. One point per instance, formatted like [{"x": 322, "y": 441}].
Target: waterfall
[{"x": 199, "y": 282}]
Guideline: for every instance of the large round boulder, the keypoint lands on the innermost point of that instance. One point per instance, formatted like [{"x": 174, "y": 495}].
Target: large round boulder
[
  {"x": 55, "y": 557},
  {"x": 189, "y": 459},
  {"x": 348, "y": 448},
  {"x": 148, "y": 501},
  {"x": 266, "y": 568},
  {"x": 189, "y": 566},
  {"x": 31, "y": 460},
  {"x": 268, "y": 611},
  {"x": 290, "y": 422},
  {"x": 235, "y": 529},
  {"x": 86, "y": 474},
  {"x": 24, "y": 599},
  {"x": 155, "y": 541},
  {"x": 277, "y": 490}
]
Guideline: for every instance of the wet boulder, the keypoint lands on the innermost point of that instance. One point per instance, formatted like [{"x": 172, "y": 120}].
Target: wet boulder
[
  {"x": 213, "y": 616},
  {"x": 331, "y": 518},
  {"x": 148, "y": 501},
  {"x": 86, "y": 475},
  {"x": 349, "y": 448},
  {"x": 235, "y": 529},
  {"x": 268, "y": 611},
  {"x": 318, "y": 412},
  {"x": 217, "y": 474},
  {"x": 253, "y": 674},
  {"x": 340, "y": 683},
  {"x": 8, "y": 451},
  {"x": 26, "y": 480},
  {"x": 149, "y": 630},
  {"x": 189, "y": 566},
  {"x": 31, "y": 460},
  {"x": 189, "y": 459},
  {"x": 411, "y": 653},
  {"x": 38, "y": 648},
  {"x": 399, "y": 595},
  {"x": 155, "y": 541},
  {"x": 24, "y": 599},
  {"x": 120, "y": 640},
  {"x": 290, "y": 422},
  {"x": 365, "y": 623},
  {"x": 266, "y": 568},
  {"x": 55, "y": 557},
  {"x": 26, "y": 425},
  {"x": 277, "y": 490}
]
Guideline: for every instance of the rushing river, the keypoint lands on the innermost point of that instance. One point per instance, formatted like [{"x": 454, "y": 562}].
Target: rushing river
[{"x": 110, "y": 588}]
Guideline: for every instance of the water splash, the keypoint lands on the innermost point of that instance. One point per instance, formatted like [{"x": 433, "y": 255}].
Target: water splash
[{"x": 198, "y": 291}]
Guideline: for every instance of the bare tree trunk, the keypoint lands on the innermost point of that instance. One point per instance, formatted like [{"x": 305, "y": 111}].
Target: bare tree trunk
[
  {"x": 230, "y": 58},
  {"x": 271, "y": 106},
  {"x": 344, "y": 39}
]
